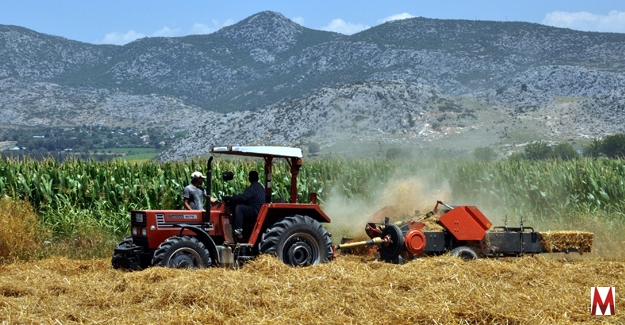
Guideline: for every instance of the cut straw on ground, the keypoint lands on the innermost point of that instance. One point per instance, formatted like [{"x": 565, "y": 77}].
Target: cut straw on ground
[{"x": 434, "y": 290}]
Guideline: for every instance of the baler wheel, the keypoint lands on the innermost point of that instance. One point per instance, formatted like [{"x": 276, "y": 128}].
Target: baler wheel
[
  {"x": 464, "y": 252},
  {"x": 182, "y": 252},
  {"x": 297, "y": 240}
]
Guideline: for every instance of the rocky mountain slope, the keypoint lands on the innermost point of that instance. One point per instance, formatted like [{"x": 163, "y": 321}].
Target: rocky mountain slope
[{"x": 268, "y": 80}]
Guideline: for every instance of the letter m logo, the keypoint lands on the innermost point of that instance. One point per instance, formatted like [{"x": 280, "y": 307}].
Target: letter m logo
[{"x": 603, "y": 298}]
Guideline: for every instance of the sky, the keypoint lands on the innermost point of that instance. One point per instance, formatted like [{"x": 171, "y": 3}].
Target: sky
[{"x": 120, "y": 22}]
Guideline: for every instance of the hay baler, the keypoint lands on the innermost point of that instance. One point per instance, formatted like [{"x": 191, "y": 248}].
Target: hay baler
[{"x": 466, "y": 233}]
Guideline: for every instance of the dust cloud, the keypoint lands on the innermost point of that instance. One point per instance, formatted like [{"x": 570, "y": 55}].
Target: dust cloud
[{"x": 401, "y": 198}]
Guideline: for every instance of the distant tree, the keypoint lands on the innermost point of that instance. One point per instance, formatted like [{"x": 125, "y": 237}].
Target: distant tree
[
  {"x": 593, "y": 150},
  {"x": 537, "y": 151},
  {"x": 313, "y": 148},
  {"x": 517, "y": 156},
  {"x": 395, "y": 153},
  {"x": 564, "y": 151},
  {"x": 613, "y": 146},
  {"x": 484, "y": 153}
]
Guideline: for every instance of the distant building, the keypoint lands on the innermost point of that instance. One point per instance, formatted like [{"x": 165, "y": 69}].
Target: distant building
[
  {"x": 39, "y": 136},
  {"x": 145, "y": 138}
]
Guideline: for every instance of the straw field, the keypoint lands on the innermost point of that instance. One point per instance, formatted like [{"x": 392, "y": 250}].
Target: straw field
[
  {"x": 80, "y": 210},
  {"x": 436, "y": 290}
]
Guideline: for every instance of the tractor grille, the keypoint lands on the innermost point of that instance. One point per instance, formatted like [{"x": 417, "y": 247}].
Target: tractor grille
[
  {"x": 140, "y": 241},
  {"x": 160, "y": 219}
]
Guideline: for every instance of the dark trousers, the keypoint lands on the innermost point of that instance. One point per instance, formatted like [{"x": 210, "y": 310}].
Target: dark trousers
[{"x": 243, "y": 212}]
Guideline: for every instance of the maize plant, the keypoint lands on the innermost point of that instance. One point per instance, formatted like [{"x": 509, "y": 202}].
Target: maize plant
[{"x": 104, "y": 192}]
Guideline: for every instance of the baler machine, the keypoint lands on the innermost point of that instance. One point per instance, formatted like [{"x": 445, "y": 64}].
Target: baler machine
[{"x": 466, "y": 233}]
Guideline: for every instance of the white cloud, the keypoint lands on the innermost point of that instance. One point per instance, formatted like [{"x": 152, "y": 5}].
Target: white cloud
[
  {"x": 199, "y": 28},
  {"x": 167, "y": 32},
  {"x": 614, "y": 21},
  {"x": 299, "y": 20},
  {"x": 202, "y": 29},
  {"x": 403, "y": 15},
  {"x": 340, "y": 26},
  {"x": 118, "y": 38}
]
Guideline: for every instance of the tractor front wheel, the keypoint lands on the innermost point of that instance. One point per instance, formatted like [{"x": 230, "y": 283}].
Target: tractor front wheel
[
  {"x": 182, "y": 252},
  {"x": 298, "y": 240},
  {"x": 464, "y": 252}
]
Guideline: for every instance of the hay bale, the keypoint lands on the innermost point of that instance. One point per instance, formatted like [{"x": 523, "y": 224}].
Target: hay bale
[
  {"x": 431, "y": 224},
  {"x": 561, "y": 241}
]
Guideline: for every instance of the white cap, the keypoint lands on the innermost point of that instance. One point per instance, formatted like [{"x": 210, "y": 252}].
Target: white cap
[{"x": 197, "y": 175}]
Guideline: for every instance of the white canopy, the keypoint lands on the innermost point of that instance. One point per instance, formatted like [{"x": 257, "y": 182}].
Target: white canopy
[{"x": 259, "y": 151}]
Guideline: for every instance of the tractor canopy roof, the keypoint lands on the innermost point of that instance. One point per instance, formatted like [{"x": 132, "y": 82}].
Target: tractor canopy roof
[{"x": 258, "y": 151}]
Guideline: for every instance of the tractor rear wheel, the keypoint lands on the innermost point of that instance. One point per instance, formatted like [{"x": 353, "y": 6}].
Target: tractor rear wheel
[
  {"x": 182, "y": 252},
  {"x": 298, "y": 240},
  {"x": 464, "y": 252}
]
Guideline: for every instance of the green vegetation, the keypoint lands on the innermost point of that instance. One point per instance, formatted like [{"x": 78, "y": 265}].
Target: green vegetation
[
  {"x": 484, "y": 153},
  {"x": 77, "y": 199},
  {"x": 97, "y": 142},
  {"x": 542, "y": 150},
  {"x": 611, "y": 146}
]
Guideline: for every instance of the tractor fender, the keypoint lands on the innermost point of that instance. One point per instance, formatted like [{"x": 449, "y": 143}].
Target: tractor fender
[
  {"x": 273, "y": 212},
  {"x": 205, "y": 238}
]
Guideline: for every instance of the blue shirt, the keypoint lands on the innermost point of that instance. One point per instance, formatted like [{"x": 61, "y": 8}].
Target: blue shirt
[{"x": 254, "y": 196}]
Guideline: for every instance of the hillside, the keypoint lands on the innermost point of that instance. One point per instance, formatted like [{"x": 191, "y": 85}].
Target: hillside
[{"x": 265, "y": 65}]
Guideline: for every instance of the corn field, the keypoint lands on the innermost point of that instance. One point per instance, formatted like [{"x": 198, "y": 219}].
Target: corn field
[{"x": 102, "y": 193}]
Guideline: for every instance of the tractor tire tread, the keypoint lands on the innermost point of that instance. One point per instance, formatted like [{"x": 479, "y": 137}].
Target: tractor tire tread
[
  {"x": 160, "y": 254},
  {"x": 270, "y": 240}
]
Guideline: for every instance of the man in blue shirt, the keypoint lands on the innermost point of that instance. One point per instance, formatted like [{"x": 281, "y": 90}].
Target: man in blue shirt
[{"x": 251, "y": 200}]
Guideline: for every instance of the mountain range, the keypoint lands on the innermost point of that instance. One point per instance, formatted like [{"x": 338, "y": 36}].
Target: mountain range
[{"x": 267, "y": 80}]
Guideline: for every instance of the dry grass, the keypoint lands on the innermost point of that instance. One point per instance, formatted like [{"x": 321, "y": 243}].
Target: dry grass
[
  {"x": 21, "y": 236},
  {"x": 24, "y": 237},
  {"x": 529, "y": 290}
]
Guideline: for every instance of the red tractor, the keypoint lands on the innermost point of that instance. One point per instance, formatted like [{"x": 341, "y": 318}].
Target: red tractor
[{"x": 194, "y": 238}]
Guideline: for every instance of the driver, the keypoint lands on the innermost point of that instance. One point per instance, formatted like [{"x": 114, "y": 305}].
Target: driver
[{"x": 251, "y": 200}]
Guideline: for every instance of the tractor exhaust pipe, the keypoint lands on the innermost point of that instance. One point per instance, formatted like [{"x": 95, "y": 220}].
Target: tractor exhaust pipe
[{"x": 209, "y": 178}]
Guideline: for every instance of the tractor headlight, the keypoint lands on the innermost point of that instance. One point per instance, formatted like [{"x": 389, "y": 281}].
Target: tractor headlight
[
  {"x": 144, "y": 232},
  {"x": 135, "y": 231}
]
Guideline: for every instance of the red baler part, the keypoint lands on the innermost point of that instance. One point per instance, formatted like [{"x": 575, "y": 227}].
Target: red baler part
[
  {"x": 466, "y": 223},
  {"x": 415, "y": 242},
  {"x": 373, "y": 231}
]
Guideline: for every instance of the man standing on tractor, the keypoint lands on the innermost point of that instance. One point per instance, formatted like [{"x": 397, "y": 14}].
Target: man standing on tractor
[
  {"x": 251, "y": 200},
  {"x": 194, "y": 194}
]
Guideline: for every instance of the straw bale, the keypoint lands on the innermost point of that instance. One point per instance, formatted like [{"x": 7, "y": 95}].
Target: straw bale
[
  {"x": 560, "y": 241},
  {"x": 447, "y": 290},
  {"x": 431, "y": 224}
]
